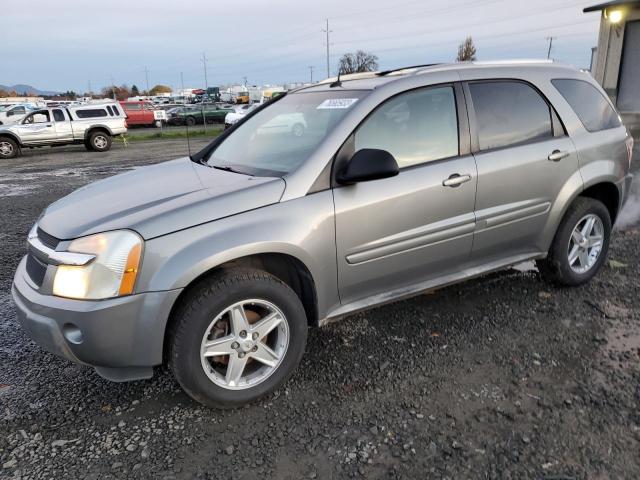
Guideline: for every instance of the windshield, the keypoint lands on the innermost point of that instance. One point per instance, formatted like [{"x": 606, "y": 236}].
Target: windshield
[{"x": 279, "y": 138}]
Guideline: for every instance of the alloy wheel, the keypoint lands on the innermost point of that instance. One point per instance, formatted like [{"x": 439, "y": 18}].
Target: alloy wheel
[
  {"x": 100, "y": 142},
  {"x": 6, "y": 149},
  {"x": 585, "y": 243},
  {"x": 244, "y": 344}
]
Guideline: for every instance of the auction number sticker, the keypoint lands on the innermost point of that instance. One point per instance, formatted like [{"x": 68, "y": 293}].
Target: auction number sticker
[{"x": 336, "y": 103}]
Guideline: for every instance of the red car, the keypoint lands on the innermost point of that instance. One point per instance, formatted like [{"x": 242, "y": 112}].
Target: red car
[{"x": 140, "y": 112}]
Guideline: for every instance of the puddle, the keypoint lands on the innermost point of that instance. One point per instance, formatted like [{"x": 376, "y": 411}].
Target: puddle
[
  {"x": 14, "y": 189},
  {"x": 526, "y": 267}
]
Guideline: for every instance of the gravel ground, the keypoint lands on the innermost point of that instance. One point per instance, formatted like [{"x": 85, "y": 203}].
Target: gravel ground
[{"x": 501, "y": 377}]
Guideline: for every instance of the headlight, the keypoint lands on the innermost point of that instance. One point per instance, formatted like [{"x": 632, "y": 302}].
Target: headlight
[{"x": 111, "y": 274}]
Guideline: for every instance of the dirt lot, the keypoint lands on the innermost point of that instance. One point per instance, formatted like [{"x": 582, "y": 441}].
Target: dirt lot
[{"x": 502, "y": 377}]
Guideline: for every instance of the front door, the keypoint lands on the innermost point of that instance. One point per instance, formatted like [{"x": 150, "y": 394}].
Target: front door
[
  {"x": 524, "y": 159},
  {"x": 37, "y": 127},
  {"x": 397, "y": 232}
]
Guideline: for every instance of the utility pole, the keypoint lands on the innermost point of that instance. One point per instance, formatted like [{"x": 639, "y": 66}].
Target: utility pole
[
  {"x": 146, "y": 76},
  {"x": 204, "y": 63},
  {"x": 327, "y": 31},
  {"x": 245, "y": 81},
  {"x": 311, "y": 67},
  {"x": 113, "y": 90},
  {"x": 182, "y": 82},
  {"x": 551, "y": 39}
]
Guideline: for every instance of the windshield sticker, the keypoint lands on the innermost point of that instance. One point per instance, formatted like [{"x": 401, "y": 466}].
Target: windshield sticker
[{"x": 336, "y": 103}]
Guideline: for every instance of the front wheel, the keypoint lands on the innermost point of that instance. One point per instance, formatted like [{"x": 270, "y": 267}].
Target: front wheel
[
  {"x": 580, "y": 246},
  {"x": 8, "y": 148},
  {"x": 236, "y": 338}
]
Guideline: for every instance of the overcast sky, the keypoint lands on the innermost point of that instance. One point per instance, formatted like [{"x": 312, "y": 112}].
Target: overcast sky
[{"x": 66, "y": 44}]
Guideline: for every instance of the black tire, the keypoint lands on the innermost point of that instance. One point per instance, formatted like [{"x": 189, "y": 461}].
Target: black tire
[
  {"x": 190, "y": 121},
  {"x": 202, "y": 305},
  {"x": 555, "y": 268},
  {"x": 9, "y": 148},
  {"x": 99, "y": 141}
]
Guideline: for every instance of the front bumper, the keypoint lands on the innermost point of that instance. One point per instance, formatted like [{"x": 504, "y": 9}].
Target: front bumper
[{"x": 121, "y": 337}]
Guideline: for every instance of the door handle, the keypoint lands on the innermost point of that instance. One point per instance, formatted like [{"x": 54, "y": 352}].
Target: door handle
[
  {"x": 557, "y": 155},
  {"x": 456, "y": 180}
]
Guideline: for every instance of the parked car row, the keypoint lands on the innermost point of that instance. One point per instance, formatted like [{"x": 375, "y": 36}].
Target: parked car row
[{"x": 197, "y": 115}]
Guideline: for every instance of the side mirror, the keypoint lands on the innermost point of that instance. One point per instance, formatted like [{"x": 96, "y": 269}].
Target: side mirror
[
  {"x": 369, "y": 164},
  {"x": 10, "y": 113}
]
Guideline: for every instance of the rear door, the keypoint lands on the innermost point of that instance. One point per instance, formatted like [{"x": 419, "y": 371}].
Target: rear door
[
  {"x": 397, "y": 232},
  {"x": 62, "y": 124},
  {"x": 524, "y": 158},
  {"x": 135, "y": 116}
]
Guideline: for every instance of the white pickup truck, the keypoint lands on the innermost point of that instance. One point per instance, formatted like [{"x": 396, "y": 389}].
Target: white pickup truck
[{"x": 94, "y": 125}]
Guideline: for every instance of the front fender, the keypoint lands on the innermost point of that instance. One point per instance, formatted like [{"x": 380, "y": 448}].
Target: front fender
[{"x": 303, "y": 228}]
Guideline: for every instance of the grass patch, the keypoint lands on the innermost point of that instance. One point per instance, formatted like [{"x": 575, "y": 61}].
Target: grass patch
[{"x": 171, "y": 135}]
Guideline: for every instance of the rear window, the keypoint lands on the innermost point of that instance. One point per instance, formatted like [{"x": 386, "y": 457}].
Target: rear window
[
  {"x": 91, "y": 113},
  {"x": 132, "y": 106},
  {"x": 591, "y": 107}
]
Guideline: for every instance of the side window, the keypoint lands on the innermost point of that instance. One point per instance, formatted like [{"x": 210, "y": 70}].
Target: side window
[
  {"x": 509, "y": 113},
  {"x": 91, "y": 113},
  {"x": 415, "y": 127},
  {"x": 593, "y": 110},
  {"x": 19, "y": 110},
  {"x": 115, "y": 110},
  {"x": 37, "y": 117},
  {"x": 133, "y": 107},
  {"x": 58, "y": 115},
  {"x": 109, "y": 110}
]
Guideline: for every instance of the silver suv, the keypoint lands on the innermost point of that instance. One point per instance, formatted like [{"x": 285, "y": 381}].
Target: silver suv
[{"x": 400, "y": 181}]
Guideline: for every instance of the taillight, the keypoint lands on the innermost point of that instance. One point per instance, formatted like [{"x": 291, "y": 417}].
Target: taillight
[
  {"x": 629, "y": 143},
  {"x": 126, "y": 125}
]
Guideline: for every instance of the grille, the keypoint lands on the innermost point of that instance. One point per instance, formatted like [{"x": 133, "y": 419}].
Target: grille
[
  {"x": 49, "y": 240},
  {"x": 36, "y": 269}
]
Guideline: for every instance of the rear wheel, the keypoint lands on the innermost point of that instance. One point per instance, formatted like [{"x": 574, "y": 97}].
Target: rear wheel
[
  {"x": 237, "y": 338},
  {"x": 190, "y": 121},
  {"x": 581, "y": 244},
  {"x": 99, "y": 142},
  {"x": 8, "y": 148}
]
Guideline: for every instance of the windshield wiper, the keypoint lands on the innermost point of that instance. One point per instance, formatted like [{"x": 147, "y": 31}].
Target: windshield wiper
[{"x": 227, "y": 168}]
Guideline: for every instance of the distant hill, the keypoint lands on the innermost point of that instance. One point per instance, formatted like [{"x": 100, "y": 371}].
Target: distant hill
[{"x": 20, "y": 88}]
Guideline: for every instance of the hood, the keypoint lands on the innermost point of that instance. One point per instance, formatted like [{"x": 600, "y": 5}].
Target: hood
[{"x": 158, "y": 199}]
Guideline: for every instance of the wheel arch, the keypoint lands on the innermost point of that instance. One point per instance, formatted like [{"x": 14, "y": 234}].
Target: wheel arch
[
  {"x": 12, "y": 137},
  {"x": 287, "y": 268},
  {"x": 97, "y": 128}
]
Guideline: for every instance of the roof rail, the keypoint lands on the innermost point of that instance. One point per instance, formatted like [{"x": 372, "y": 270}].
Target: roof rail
[
  {"x": 405, "y": 69},
  {"x": 349, "y": 76},
  {"x": 521, "y": 61}
]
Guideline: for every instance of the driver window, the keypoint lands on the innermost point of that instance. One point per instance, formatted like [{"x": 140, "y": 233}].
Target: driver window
[
  {"x": 415, "y": 127},
  {"x": 38, "y": 117}
]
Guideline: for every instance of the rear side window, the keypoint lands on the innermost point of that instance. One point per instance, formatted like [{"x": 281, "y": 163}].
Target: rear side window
[
  {"x": 593, "y": 110},
  {"x": 509, "y": 113},
  {"x": 109, "y": 110},
  {"x": 91, "y": 113},
  {"x": 58, "y": 116},
  {"x": 115, "y": 110},
  {"x": 415, "y": 127},
  {"x": 133, "y": 106}
]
